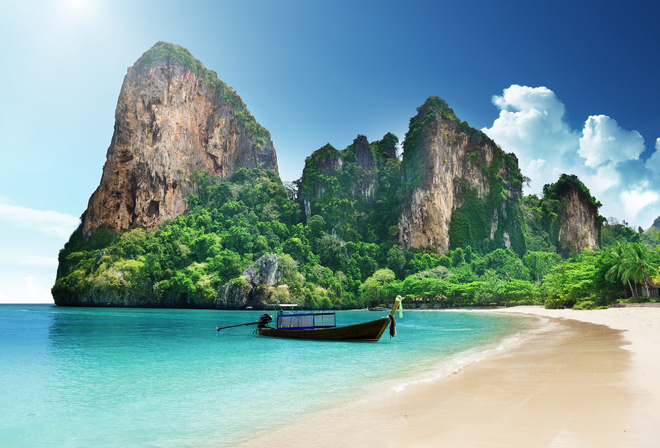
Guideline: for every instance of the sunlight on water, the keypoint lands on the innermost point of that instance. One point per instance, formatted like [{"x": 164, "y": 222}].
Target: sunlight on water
[{"x": 81, "y": 377}]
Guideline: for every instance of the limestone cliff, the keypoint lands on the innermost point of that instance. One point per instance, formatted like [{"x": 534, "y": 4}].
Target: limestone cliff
[
  {"x": 572, "y": 217},
  {"x": 461, "y": 188},
  {"x": 656, "y": 223},
  {"x": 173, "y": 117},
  {"x": 340, "y": 186}
]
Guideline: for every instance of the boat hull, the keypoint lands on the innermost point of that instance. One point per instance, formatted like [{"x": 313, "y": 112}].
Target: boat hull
[{"x": 366, "y": 331}]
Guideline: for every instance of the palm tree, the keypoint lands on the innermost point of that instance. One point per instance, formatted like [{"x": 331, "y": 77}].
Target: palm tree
[
  {"x": 641, "y": 263},
  {"x": 632, "y": 263},
  {"x": 619, "y": 263}
]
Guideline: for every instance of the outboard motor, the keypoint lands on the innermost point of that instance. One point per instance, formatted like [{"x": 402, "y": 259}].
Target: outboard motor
[{"x": 264, "y": 320}]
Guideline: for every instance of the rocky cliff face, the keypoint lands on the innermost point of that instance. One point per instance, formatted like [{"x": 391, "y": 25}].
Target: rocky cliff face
[
  {"x": 339, "y": 185},
  {"x": 579, "y": 221},
  {"x": 173, "y": 117},
  {"x": 579, "y": 229},
  {"x": 656, "y": 223},
  {"x": 462, "y": 189},
  {"x": 254, "y": 287},
  {"x": 363, "y": 156}
]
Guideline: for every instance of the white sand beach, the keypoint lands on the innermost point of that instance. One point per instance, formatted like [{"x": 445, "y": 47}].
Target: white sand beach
[{"x": 585, "y": 379}]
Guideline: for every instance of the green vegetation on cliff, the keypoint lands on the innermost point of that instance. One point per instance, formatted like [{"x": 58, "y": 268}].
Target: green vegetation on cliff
[
  {"x": 338, "y": 241},
  {"x": 433, "y": 109},
  {"x": 471, "y": 221},
  {"x": 184, "y": 262},
  {"x": 359, "y": 200},
  {"x": 231, "y": 223}
]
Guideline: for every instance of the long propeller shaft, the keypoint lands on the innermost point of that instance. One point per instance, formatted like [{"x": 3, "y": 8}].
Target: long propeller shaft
[{"x": 238, "y": 325}]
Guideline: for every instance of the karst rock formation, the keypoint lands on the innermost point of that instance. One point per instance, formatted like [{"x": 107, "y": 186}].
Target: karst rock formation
[{"x": 173, "y": 117}]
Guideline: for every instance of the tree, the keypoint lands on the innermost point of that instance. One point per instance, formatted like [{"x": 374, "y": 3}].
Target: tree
[
  {"x": 396, "y": 261},
  {"x": 429, "y": 288},
  {"x": 573, "y": 280},
  {"x": 294, "y": 247},
  {"x": 316, "y": 225},
  {"x": 372, "y": 289},
  {"x": 640, "y": 263},
  {"x": 239, "y": 239},
  {"x": 612, "y": 233},
  {"x": 540, "y": 264},
  {"x": 330, "y": 251},
  {"x": 457, "y": 257},
  {"x": 631, "y": 264},
  {"x": 618, "y": 261}
]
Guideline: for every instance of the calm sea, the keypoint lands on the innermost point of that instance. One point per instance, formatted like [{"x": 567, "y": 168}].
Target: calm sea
[{"x": 82, "y": 377}]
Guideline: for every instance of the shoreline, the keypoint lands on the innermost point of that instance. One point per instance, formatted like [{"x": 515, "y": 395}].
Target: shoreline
[
  {"x": 585, "y": 378},
  {"x": 640, "y": 327}
]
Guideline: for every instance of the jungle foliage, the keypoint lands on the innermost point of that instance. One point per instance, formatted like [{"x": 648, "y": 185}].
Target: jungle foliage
[
  {"x": 357, "y": 203},
  {"x": 337, "y": 236},
  {"x": 231, "y": 223}
]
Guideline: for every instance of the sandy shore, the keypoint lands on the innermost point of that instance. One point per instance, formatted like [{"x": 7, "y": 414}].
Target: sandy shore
[{"x": 584, "y": 379}]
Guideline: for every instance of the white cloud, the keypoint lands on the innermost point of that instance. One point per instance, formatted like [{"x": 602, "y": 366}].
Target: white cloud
[
  {"x": 634, "y": 201},
  {"x": 59, "y": 224},
  {"x": 603, "y": 141},
  {"x": 21, "y": 257},
  {"x": 532, "y": 104},
  {"x": 36, "y": 292},
  {"x": 40, "y": 261},
  {"x": 653, "y": 162},
  {"x": 601, "y": 179},
  {"x": 640, "y": 207},
  {"x": 30, "y": 241},
  {"x": 23, "y": 283},
  {"x": 532, "y": 125}
]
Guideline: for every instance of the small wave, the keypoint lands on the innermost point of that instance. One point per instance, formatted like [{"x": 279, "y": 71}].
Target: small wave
[{"x": 464, "y": 359}]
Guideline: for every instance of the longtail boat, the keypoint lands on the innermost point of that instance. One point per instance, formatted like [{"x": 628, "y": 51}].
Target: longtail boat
[{"x": 322, "y": 325}]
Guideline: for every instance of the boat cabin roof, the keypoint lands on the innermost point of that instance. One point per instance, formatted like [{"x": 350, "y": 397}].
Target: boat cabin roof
[
  {"x": 306, "y": 321},
  {"x": 285, "y": 307}
]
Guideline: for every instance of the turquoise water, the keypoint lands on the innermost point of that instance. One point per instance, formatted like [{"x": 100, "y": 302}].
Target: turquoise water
[{"x": 81, "y": 377}]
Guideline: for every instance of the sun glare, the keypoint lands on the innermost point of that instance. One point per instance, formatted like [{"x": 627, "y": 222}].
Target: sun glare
[{"x": 79, "y": 9}]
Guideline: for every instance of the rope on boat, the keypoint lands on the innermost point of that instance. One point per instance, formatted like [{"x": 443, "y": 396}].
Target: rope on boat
[
  {"x": 392, "y": 326},
  {"x": 397, "y": 304}
]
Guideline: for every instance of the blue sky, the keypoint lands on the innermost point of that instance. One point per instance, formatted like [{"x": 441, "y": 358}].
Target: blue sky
[{"x": 569, "y": 86}]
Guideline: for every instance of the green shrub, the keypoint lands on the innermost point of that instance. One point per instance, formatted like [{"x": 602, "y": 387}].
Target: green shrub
[
  {"x": 588, "y": 305},
  {"x": 585, "y": 305},
  {"x": 554, "y": 304}
]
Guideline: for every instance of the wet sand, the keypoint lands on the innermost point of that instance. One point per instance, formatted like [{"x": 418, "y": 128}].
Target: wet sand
[{"x": 584, "y": 379}]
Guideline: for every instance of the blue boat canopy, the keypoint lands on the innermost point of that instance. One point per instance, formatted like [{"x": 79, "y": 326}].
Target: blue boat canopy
[{"x": 306, "y": 321}]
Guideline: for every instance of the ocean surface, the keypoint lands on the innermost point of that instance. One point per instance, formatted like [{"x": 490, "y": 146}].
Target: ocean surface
[{"x": 83, "y": 377}]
